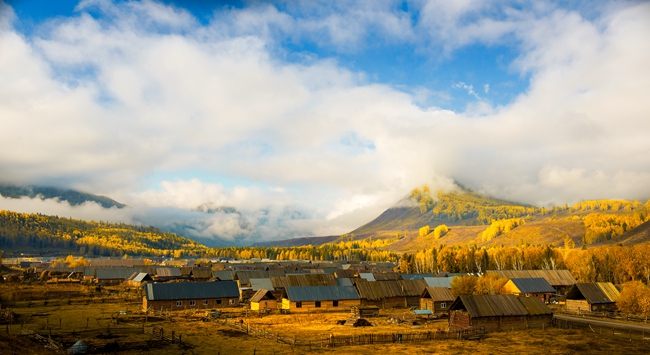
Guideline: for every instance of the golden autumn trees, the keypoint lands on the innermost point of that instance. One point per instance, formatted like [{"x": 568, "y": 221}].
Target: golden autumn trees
[
  {"x": 634, "y": 298},
  {"x": 440, "y": 231},
  {"x": 463, "y": 285},
  {"x": 499, "y": 227},
  {"x": 600, "y": 227}
]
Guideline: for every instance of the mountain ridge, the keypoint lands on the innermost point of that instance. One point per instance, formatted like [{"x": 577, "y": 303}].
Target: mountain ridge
[{"x": 73, "y": 197}]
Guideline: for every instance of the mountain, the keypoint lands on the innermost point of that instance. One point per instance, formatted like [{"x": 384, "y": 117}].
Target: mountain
[
  {"x": 73, "y": 197},
  {"x": 475, "y": 219},
  {"x": 22, "y": 230},
  {"x": 461, "y": 207}
]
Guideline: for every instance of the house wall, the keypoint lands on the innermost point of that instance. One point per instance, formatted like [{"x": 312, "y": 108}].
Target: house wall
[
  {"x": 412, "y": 301},
  {"x": 171, "y": 305},
  {"x": 604, "y": 307},
  {"x": 398, "y": 302},
  {"x": 367, "y": 302},
  {"x": 435, "y": 307},
  {"x": 459, "y": 320},
  {"x": 326, "y": 306},
  {"x": 491, "y": 324},
  {"x": 577, "y": 305},
  {"x": 540, "y": 321},
  {"x": 263, "y": 305}
]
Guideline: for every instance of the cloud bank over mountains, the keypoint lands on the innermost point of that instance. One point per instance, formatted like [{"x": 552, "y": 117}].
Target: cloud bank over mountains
[{"x": 148, "y": 104}]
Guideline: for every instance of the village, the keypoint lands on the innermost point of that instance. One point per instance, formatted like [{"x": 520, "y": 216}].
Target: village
[{"x": 297, "y": 304}]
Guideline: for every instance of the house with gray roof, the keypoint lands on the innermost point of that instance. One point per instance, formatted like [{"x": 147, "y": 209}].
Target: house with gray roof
[
  {"x": 190, "y": 295},
  {"x": 312, "y": 299},
  {"x": 530, "y": 287}
]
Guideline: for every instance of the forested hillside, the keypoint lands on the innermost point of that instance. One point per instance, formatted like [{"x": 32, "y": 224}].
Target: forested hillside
[{"x": 98, "y": 238}]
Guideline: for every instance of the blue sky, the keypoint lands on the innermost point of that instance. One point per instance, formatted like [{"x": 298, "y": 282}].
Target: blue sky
[{"x": 312, "y": 117}]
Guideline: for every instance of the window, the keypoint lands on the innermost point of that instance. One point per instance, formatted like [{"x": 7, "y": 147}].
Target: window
[
  {"x": 317, "y": 304},
  {"x": 192, "y": 303},
  {"x": 335, "y": 303},
  {"x": 443, "y": 305},
  {"x": 298, "y": 304},
  {"x": 232, "y": 301},
  {"x": 218, "y": 301},
  {"x": 179, "y": 303},
  {"x": 205, "y": 302}
]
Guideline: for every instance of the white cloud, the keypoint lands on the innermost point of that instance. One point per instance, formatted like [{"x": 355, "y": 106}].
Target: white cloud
[{"x": 105, "y": 103}]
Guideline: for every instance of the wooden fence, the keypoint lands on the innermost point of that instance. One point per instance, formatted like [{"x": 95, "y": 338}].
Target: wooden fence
[
  {"x": 611, "y": 331},
  {"x": 351, "y": 340},
  {"x": 607, "y": 315}
]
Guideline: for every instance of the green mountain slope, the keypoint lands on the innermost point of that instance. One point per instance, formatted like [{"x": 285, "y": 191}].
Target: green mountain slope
[{"x": 45, "y": 192}]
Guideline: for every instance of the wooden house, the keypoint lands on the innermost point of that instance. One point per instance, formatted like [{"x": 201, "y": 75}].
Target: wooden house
[
  {"x": 308, "y": 299},
  {"x": 201, "y": 274},
  {"x": 530, "y": 287},
  {"x": 113, "y": 276},
  {"x": 539, "y": 315},
  {"x": 369, "y": 292},
  {"x": 592, "y": 297},
  {"x": 560, "y": 280},
  {"x": 402, "y": 293},
  {"x": 138, "y": 279},
  {"x": 436, "y": 299},
  {"x": 497, "y": 312},
  {"x": 190, "y": 295},
  {"x": 364, "y": 311},
  {"x": 264, "y": 300}
]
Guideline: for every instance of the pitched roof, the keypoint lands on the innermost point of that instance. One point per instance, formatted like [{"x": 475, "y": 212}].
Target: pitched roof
[
  {"x": 168, "y": 272},
  {"x": 321, "y": 293},
  {"x": 381, "y": 276},
  {"x": 534, "y": 306},
  {"x": 416, "y": 276},
  {"x": 113, "y": 273},
  {"x": 490, "y": 305},
  {"x": 201, "y": 273},
  {"x": 140, "y": 276},
  {"x": 438, "y": 294},
  {"x": 594, "y": 292},
  {"x": 368, "y": 290},
  {"x": 367, "y": 276},
  {"x": 554, "y": 277},
  {"x": 264, "y": 283},
  {"x": 532, "y": 285},
  {"x": 340, "y": 273},
  {"x": 438, "y": 281},
  {"x": 191, "y": 290},
  {"x": 116, "y": 262},
  {"x": 304, "y": 280},
  {"x": 224, "y": 275},
  {"x": 245, "y": 276},
  {"x": 262, "y": 294}
]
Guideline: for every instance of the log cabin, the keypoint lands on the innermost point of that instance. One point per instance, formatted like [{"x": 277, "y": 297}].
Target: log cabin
[
  {"x": 436, "y": 299},
  {"x": 190, "y": 295},
  {"x": 592, "y": 297},
  {"x": 497, "y": 312},
  {"x": 310, "y": 299}
]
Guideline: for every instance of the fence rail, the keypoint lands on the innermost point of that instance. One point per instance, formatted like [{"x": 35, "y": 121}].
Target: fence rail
[
  {"x": 606, "y": 315},
  {"x": 613, "y": 331},
  {"x": 351, "y": 340}
]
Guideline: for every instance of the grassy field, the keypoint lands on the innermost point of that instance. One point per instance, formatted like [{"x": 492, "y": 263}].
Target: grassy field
[{"x": 107, "y": 317}]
